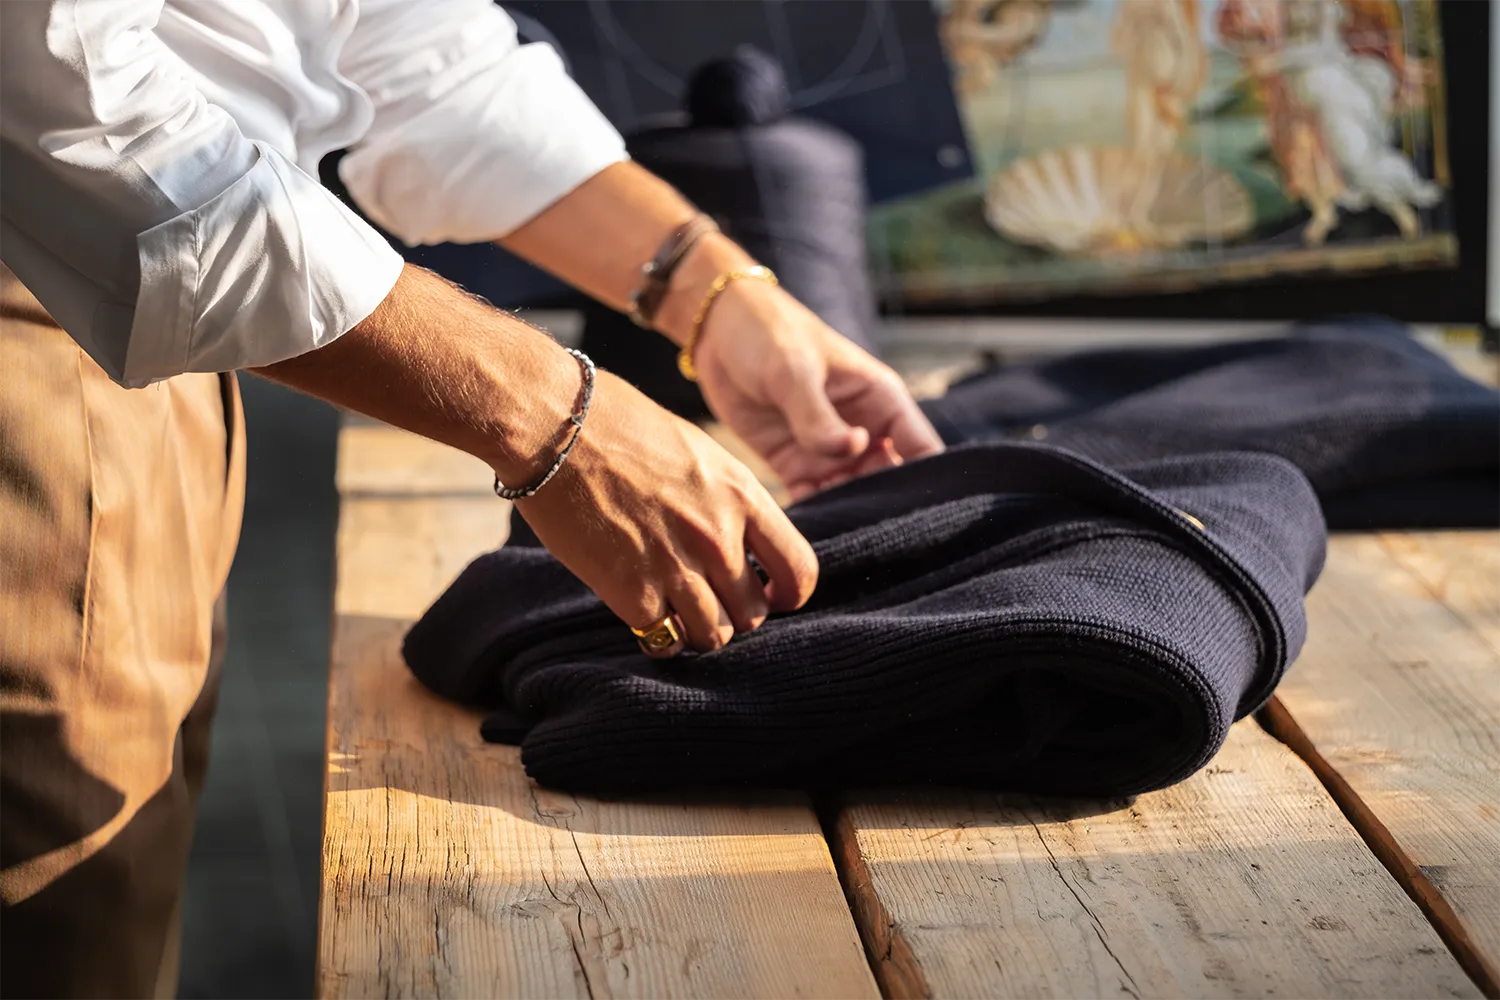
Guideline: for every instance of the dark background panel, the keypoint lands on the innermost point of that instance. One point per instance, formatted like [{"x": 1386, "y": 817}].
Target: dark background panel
[{"x": 874, "y": 68}]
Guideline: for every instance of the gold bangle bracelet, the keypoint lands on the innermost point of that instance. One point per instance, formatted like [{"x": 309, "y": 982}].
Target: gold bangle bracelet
[{"x": 757, "y": 272}]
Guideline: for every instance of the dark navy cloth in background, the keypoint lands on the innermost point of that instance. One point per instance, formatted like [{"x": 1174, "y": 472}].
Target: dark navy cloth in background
[
  {"x": 1389, "y": 433},
  {"x": 1014, "y": 616}
]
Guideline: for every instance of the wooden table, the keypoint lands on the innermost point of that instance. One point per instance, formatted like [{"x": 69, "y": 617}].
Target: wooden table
[{"x": 1344, "y": 844}]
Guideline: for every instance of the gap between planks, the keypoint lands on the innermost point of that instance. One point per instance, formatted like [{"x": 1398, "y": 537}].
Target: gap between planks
[
  {"x": 1277, "y": 721},
  {"x": 1244, "y": 880},
  {"x": 1411, "y": 600},
  {"x": 1394, "y": 705}
]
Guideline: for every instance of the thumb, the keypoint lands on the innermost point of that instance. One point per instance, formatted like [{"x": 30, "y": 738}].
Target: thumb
[{"x": 811, "y": 416}]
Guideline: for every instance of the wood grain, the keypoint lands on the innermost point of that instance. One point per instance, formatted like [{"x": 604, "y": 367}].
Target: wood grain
[
  {"x": 1398, "y": 691},
  {"x": 1459, "y": 568},
  {"x": 446, "y": 872},
  {"x": 378, "y": 459},
  {"x": 1245, "y": 880}
]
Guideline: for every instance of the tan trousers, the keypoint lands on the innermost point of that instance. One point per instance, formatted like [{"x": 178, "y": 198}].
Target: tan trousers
[{"x": 119, "y": 514}]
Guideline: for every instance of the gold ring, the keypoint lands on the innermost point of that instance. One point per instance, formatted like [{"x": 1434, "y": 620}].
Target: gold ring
[{"x": 661, "y": 638}]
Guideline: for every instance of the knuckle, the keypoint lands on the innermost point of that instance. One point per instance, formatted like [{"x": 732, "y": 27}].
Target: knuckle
[
  {"x": 747, "y": 489},
  {"x": 887, "y": 379},
  {"x": 805, "y": 570},
  {"x": 753, "y": 618},
  {"x": 791, "y": 367},
  {"x": 648, "y": 598},
  {"x": 699, "y": 475},
  {"x": 678, "y": 583},
  {"x": 709, "y": 543},
  {"x": 637, "y": 610},
  {"x": 728, "y": 558}
]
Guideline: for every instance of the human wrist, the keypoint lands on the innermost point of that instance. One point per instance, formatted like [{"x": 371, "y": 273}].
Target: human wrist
[
  {"x": 536, "y": 410},
  {"x": 714, "y": 254},
  {"x": 574, "y": 431}
]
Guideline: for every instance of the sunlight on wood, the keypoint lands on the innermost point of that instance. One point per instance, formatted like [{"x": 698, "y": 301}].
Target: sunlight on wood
[
  {"x": 1245, "y": 880},
  {"x": 395, "y": 556},
  {"x": 375, "y": 458},
  {"x": 1399, "y": 690},
  {"x": 447, "y": 872}
]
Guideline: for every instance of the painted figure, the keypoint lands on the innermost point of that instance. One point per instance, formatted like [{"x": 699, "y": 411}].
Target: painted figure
[
  {"x": 980, "y": 36},
  {"x": 1332, "y": 75},
  {"x": 1166, "y": 63},
  {"x": 1160, "y": 44}
]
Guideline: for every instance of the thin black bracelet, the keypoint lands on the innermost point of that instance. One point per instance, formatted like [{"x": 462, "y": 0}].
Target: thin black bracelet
[
  {"x": 506, "y": 493},
  {"x": 656, "y": 274}
]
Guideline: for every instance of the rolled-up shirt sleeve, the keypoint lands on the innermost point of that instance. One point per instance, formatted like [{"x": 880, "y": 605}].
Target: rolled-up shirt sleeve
[
  {"x": 156, "y": 234},
  {"x": 474, "y": 134}
]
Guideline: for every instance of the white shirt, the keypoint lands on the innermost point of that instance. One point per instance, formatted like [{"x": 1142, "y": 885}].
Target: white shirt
[{"x": 158, "y": 162}]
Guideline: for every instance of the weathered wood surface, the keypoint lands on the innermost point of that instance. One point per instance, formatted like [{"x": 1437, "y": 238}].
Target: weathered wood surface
[
  {"x": 1245, "y": 880},
  {"x": 446, "y": 872},
  {"x": 1398, "y": 694},
  {"x": 376, "y": 459}
]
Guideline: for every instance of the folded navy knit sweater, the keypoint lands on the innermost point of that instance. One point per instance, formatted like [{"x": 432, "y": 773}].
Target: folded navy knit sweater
[
  {"x": 1388, "y": 432},
  {"x": 1002, "y": 615}
]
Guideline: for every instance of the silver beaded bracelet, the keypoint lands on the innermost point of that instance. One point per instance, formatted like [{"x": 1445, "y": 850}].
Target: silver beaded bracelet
[{"x": 507, "y": 493}]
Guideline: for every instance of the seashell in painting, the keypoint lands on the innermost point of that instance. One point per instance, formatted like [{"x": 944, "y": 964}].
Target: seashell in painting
[{"x": 1107, "y": 201}]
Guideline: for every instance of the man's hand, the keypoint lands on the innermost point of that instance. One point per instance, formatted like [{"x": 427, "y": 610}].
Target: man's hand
[
  {"x": 647, "y": 510},
  {"x": 818, "y": 408},
  {"x": 655, "y": 516}
]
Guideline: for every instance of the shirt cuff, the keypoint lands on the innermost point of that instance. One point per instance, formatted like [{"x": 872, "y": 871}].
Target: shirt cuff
[
  {"x": 273, "y": 267},
  {"x": 486, "y": 157}
]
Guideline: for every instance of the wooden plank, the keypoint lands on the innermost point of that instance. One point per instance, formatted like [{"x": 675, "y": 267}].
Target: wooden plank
[
  {"x": 1398, "y": 698},
  {"x": 1244, "y": 880},
  {"x": 376, "y": 458},
  {"x": 446, "y": 872},
  {"x": 1459, "y": 568}
]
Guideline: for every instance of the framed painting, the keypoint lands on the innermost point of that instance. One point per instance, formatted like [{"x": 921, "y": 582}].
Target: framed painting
[{"x": 1132, "y": 146}]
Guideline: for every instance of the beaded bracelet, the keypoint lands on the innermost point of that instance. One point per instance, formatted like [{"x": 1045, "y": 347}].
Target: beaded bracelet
[{"x": 587, "y": 393}]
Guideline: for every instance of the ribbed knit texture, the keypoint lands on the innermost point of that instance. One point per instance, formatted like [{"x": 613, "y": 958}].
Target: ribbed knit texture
[
  {"x": 1389, "y": 433},
  {"x": 1001, "y": 615}
]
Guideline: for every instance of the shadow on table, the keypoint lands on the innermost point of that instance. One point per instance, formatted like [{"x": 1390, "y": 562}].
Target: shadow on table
[{"x": 391, "y": 732}]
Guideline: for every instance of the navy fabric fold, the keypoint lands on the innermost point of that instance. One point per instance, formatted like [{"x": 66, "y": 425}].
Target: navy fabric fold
[
  {"x": 1390, "y": 434},
  {"x": 1002, "y": 615}
]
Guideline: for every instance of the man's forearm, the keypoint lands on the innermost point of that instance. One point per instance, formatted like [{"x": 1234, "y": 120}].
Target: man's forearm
[
  {"x": 437, "y": 361},
  {"x": 597, "y": 237}
]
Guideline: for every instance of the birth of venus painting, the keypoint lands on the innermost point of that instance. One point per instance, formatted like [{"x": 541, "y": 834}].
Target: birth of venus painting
[{"x": 1152, "y": 145}]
